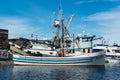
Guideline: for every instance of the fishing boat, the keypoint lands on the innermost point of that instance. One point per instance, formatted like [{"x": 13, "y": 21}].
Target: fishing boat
[
  {"x": 65, "y": 49},
  {"x": 112, "y": 52}
]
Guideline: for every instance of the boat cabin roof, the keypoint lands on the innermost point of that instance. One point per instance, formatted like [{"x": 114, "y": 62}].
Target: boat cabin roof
[
  {"x": 102, "y": 45},
  {"x": 87, "y": 36}
]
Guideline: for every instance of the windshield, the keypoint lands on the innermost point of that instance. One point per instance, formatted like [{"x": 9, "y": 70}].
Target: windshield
[{"x": 116, "y": 51}]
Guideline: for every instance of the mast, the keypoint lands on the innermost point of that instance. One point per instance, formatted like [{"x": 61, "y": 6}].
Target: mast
[
  {"x": 63, "y": 34},
  {"x": 57, "y": 25},
  {"x": 61, "y": 29}
]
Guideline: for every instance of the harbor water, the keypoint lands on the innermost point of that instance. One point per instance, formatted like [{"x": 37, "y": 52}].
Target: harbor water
[{"x": 107, "y": 72}]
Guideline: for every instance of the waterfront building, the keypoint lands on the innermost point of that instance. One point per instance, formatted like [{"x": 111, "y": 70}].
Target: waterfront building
[{"x": 4, "y": 42}]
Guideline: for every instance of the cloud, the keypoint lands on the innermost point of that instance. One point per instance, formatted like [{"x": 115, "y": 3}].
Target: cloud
[
  {"x": 113, "y": 0},
  {"x": 81, "y": 2},
  {"x": 108, "y": 22},
  {"x": 18, "y": 27},
  {"x": 91, "y": 1},
  {"x": 112, "y": 14}
]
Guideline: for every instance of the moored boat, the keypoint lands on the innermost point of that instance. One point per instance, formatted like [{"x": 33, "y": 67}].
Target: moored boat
[
  {"x": 64, "y": 49},
  {"x": 80, "y": 53},
  {"x": 112, "y": 52},
  {"x": 87, "y": 59}
]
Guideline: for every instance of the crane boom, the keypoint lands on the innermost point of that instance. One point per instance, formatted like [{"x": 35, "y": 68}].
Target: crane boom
[{"x": 69, "y": 21}]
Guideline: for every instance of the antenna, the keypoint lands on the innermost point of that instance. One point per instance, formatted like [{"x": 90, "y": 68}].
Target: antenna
[
  {"x": 60, "y": 12},
  {"x": 52, "y": 17}
]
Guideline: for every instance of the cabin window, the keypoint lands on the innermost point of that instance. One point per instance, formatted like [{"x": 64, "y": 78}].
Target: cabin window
[
  {"x": 88, "y": 50},
  {"x": 117, "y": 51},
  {"x": 83, "y": 50},
  {"x": 108, "y": 50},
  {"x": 73, "y": 51},
  {"x": 51, "y": 52}
]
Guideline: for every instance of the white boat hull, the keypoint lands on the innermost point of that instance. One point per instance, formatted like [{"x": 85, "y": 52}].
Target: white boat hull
[
  {"x": 85, "y": 59},
  {"x": 112, "y": 60}
]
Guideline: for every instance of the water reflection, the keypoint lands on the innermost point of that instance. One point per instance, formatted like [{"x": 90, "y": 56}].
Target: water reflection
[
  {"x": 6, "y": 72},
  {"x": 56, "y": 72},
  {"x": 52, "y": 73},
  {"x": 76, "y": 73}
]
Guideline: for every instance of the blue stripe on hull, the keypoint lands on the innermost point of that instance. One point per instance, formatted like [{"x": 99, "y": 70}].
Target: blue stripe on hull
[{"x": 33, "y": 60}]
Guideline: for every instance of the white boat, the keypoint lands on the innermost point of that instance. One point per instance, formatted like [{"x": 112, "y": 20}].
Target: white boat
[
  {"x": 80, "y": 54},
  {"x": 64, "y": 49},
  {"x": 41, "y": 50},
  {"x": 112, "y": 52}
]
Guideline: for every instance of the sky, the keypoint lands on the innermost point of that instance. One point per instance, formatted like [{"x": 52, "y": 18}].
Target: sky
[{"x": 25, "y": 17}]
